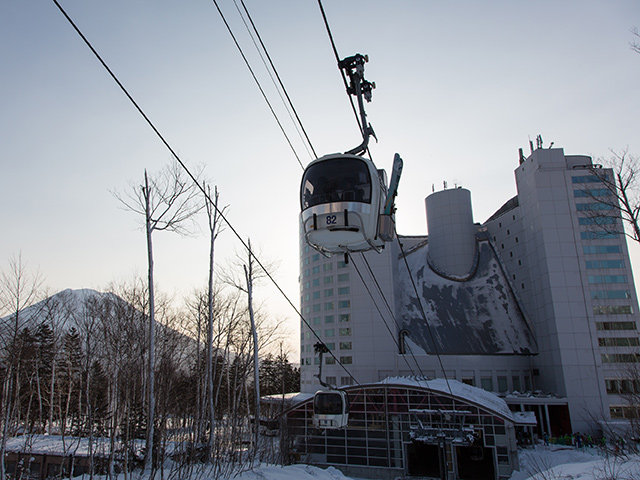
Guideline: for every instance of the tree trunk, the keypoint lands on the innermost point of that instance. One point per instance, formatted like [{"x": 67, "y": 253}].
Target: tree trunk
[
  {"x": 256, "y": 374},
  {"x": 148, "y": 459}
]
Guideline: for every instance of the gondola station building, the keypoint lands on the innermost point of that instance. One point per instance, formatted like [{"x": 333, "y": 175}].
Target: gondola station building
[{"x": 535, "y": 308}]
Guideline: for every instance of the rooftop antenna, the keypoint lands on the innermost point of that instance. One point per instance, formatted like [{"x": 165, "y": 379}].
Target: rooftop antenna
[
  {"x": 539, "y": 141},
  {"x": 521, "y": 155},
  {"x": 530, "y": 144}
]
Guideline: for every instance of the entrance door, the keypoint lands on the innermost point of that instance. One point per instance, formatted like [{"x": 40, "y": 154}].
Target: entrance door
[
  {"x": 475, "y": 463},
  {"x": 423, "y": 460}
]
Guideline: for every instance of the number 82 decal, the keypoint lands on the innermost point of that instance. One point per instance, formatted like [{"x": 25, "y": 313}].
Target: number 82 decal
[{"x": 332, "y": 219}]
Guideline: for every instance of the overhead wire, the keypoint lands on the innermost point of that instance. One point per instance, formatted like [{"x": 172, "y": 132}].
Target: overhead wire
[
  {"x": 192, "y": 177},
  {"x": 344, "y": 77},
  {"x": 424, "y": 315},
  {"x": 297, "y": 120},
  {"x": 362, "y": 127},
  {"x": 393, "y": 337},
  {"x": 393, "y": 316},
  {"x": 264, "y": 95}
]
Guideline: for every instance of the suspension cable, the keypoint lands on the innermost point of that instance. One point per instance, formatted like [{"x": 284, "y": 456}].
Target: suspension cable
[
  {"x": 393, "y": 337},
  {"x": 193, "y": 178},
  {"x": 344, "y": 77},
  {"x": 386, "y": 302},
  {"x": 264, "y": 95},
  {"x": 424, "y": 315},
  {"x": 275, "y": 71}
]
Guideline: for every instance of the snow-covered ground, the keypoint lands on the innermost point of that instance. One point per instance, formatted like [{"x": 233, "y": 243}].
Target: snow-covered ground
[
  {"x": 558, "y": 462},
  {"x": 553, "y": 462},
  {"x": 539, "y": 463}
]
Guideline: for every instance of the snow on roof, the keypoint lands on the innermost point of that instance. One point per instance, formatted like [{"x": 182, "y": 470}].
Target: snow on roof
[
  {"x": 55, "y": 444},
  {"x": 473, "y": 395},
  {"x": 525, "y": 418},
  {"x": 289, "y": 398}
]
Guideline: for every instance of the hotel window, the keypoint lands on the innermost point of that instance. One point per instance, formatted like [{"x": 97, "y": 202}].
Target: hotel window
[
  {"x": 515, "y": 380},
  {"x": 587, "y": 179},
  {"x": 329, "y": 332},
  {"x": 593, "y": 249},
  {"x": 328, "y": 279},
  {"x": 345, "y": 317},
  {"x": 610, "y": 294},
  {"x": 328, "y": 292},
  {"x": 619, "y": 342},
  {"x": 597, "y": 220},
  {"x": 315, "y": 282},
  {"x": 343, "y": 277},
  {"x": 615, "y": 326},
  {"x": 486, "y": 383},
  {"x": 503, "y": 386},
  {"x": 345, "y": 345},
  {"x": 612, "y": 310},
  {"x": 607, "y": 278},
  {"x": 592, "y": 207},
  {"x": 591, "y": 192},
  {"x": 315, "y": 270},
  {"x": 598, "y": 235},
  {"x": 328, "y": 319},
  {"x": 329, "y": 361},
  {"x": 344, "y": 332},
  {"x": 468, "y": 381},
  {"x": 344, "y": 303},
  {"x": 604, "y": 264},
  {"x": 342, "y": 264},
  {"x": 620, "y": 358},
  {"x": 344, "y": 290},
  {"x": 327, "y": 267},
  {"x": 328, "y": 306},
  {"x": 346, "y": 360}
]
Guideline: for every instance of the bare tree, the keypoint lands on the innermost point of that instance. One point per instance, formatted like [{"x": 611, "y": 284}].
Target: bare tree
[
  {"x": 168, "y": 202},
  {"x": 213, "y": 216},
  {"x": 19, "y": 288},
  {"x": 635, "y": 44},
  {"x": 617, "y": 195},
  {"x": 251, "y": 276}
]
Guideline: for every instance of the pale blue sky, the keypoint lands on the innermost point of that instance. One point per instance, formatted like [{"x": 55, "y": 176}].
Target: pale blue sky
[{"x": 461, "y": 85}]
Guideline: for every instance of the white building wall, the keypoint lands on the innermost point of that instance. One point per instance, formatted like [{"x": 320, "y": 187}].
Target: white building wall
[
  {"x": 542, "y": 245},
  {"x": 556, "y": 288}
]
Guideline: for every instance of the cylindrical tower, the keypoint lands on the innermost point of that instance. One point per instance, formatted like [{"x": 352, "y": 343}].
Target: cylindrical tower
[{"x": 452, "y": 234}]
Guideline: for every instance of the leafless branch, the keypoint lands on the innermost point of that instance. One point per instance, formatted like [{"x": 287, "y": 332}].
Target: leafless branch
[{"x": 635, "y": 44}]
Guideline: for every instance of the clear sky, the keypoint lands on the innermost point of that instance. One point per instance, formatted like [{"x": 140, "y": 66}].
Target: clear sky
[{"x": 461, "y": 85}]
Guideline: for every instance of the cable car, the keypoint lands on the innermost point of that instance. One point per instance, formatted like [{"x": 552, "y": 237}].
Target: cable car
[
  {"x": 345, "y": 203},
  {"x": 343, "y": 199},
  {"x": 330, "y": 409}
]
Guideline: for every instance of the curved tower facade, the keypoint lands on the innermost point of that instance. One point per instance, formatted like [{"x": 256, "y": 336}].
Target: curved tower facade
[{"x": 452, "y": 234}]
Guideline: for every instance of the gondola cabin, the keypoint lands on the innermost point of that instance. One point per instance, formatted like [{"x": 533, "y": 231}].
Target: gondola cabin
[
  {"x": 330, "y": 409},
  {"x": 343, "y": 204}
]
